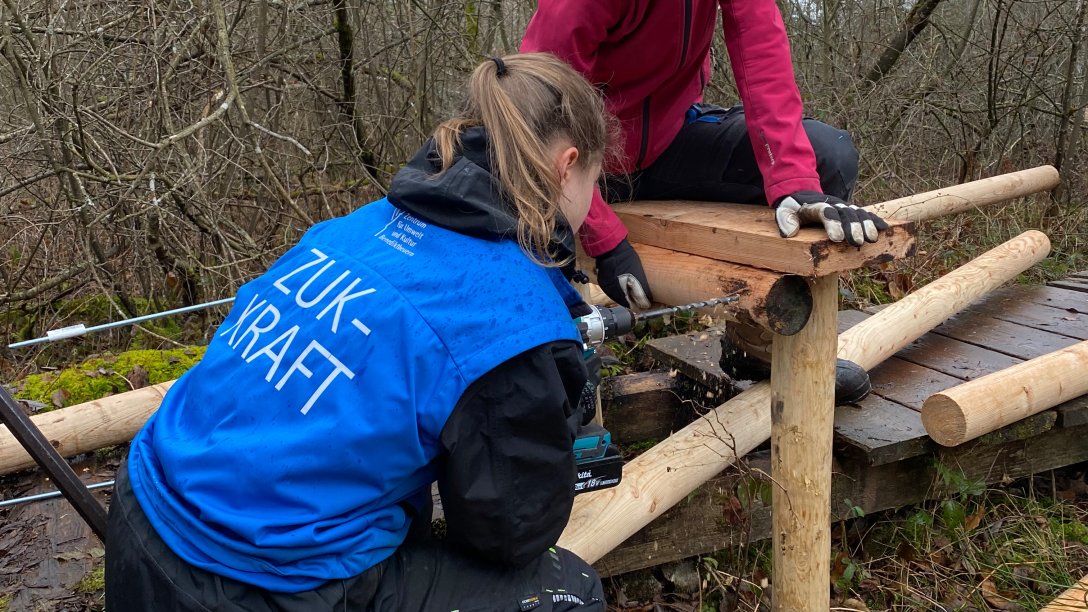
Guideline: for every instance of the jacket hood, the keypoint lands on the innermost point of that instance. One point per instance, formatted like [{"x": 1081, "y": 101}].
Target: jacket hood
[{"x": 466, "y": 198}]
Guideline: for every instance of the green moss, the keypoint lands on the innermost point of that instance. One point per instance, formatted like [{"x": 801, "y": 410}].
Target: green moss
[
  {"x": 105, "y": 375},
  {"x": 5, "y": 603},
  {"x": 1070, "y": 532},
  {"x": 94, "y": 581}
]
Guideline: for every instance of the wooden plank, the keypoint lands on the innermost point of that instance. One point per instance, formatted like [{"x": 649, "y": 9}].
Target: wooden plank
[
  {"x": 1056, "y": 297},
  {"x": 1036, "y": 307},
  {"x": 1073, "y": 412},
  {"x": 748, "y": 235},
  {"x": 1002, "y": 336},
  {"x": 1072, "y": 284},
  {"x": 693, "y": 355},
  {"x": 908, "y": 383},
  {"x": 642, "y": 406},
  {"x": 955, "y": 358},
  {"x": 879, "y": 431},
  {"x": 712, "y": 518}
]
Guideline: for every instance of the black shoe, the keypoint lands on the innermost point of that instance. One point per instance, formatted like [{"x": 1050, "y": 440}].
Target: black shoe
[{"x": 852, "y": 383}]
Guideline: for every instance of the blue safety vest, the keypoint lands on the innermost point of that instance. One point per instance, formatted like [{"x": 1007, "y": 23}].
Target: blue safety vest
[{"x": 295, "y": 451}]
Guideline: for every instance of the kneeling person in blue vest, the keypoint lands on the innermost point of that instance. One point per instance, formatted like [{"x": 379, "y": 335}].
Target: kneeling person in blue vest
[{"x": 426, "y": 336}]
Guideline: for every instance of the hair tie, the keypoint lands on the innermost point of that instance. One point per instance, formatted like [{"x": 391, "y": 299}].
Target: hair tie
[{"x": 500, "y": 67}]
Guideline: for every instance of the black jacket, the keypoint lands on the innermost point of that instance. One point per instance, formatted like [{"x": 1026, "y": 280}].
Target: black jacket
[{"x": 507, "y": 482}]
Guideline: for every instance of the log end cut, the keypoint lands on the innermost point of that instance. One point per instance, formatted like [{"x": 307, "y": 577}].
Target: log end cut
[
  {"x": 944, "y": 420},
  {"x": 788, "y": 305}
]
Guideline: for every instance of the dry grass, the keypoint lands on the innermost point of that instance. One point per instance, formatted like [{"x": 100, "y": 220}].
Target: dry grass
[{"x": 1013, "y": 547}]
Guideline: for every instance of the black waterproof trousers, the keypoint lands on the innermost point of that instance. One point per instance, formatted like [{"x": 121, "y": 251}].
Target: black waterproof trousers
[
  {"x": 711, "y": 159},
  {"x": 143, "y": 574}
]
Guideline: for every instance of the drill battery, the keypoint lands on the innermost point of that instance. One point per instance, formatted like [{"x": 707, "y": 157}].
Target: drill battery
[{"x": 599, "y": 464}]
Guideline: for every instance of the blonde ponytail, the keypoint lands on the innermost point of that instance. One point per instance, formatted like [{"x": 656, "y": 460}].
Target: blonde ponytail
[{"x": 524, "y": 110}]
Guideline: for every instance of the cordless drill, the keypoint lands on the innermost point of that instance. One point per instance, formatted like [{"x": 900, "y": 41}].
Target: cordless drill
[{"x": 600, "y": 464}]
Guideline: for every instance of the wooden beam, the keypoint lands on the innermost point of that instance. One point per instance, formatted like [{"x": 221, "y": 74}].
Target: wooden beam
[
  {"x": 642, "y": 406},
  {"x": 802, "y": 424},
  {"x": 748, "y": 235},
  {"x": 778, "y": 302},
  {"x": 662, "y": 476},
  {"x": 1073, "y": 599},
  {"x": 985, "y": 404}
]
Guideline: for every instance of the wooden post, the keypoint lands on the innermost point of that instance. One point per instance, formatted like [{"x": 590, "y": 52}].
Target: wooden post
[
  {"x": 802, "y": 423},
  {"x": 1072, "y": 600},
  {"x": 656, "y": 480},
  {"x": 980, "y": 406}
]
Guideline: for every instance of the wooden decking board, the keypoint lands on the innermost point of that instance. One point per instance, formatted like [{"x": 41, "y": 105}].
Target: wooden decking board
[
  {"x": 908, "y": 383},
  {"x": 1073, "y": 413},
  {"x": 1054, "y": 297},
  {"x": 880, "y": 431},
  {"x": 885, "y": 459},
  {"x": 1072, "y": 284},
  {"x": 955, "y": 358},
  {"x": 1035, "y": 315},
  {"x": 1002, "y": 336}
]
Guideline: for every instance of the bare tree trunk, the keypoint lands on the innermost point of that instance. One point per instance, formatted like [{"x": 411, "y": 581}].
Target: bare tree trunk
[
  {"x": 1068, "y": 118},
  {"x": 916, "y": 21},
  {"x": 345, "y": 43}
]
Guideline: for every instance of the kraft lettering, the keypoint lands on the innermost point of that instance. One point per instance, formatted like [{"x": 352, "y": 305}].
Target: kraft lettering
[
  {"x": 286, "y": 338},
  {"x": 256, "y": 330}
]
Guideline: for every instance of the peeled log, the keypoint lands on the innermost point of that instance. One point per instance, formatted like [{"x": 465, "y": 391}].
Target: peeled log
[
  {"x": 985, "y": 404},
  {"x": 968, "y": 196},
  {"x": 802, "y": 426},
  {"x": 775, "y": 301},
  {"x": 1076, "y": 598},
  {"x": 662, "y": 476},
  {"x": 86, "y": 427},
  {"x": 921, "y": 311}
]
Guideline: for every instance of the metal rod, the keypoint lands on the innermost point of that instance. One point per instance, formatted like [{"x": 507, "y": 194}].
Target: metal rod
[
  {"x": 660, "y": 312},
  {"x": 79, "y": 329},
  {"x": 49, "y": 495},
  {"x": 36, "y": 444}
]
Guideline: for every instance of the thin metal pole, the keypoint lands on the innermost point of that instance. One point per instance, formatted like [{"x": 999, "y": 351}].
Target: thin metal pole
[
  {"x": 49, "y": 495},
  {"x": 79, "y": 329}
]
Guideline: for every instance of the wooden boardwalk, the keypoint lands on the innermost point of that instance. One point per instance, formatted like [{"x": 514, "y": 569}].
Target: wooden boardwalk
[{"x": 883, "y": 457}]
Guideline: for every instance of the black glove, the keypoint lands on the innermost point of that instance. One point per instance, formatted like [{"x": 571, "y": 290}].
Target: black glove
[
  {"x": 620, "y": 274},
  {"x": 841, "y": 220}
]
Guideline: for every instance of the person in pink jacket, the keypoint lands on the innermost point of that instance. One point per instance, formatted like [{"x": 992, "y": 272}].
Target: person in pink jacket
[{"x": 652, "y": 61}]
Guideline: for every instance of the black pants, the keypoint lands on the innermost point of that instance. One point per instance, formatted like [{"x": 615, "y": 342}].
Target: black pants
[
  {"x": 711, "y": 159},
  {"x": 143, "y": 574}
]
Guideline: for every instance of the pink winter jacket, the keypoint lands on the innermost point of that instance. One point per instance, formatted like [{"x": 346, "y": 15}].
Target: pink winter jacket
[{"x": 652, "y": 60}]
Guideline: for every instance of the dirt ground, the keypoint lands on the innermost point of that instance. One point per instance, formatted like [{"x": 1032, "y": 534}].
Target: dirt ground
[{"x": 49, "y": 558}]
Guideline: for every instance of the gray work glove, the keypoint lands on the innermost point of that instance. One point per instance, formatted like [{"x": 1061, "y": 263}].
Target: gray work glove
[
  {"x": 620, "y": 275},
  {"x": 842, "y": 221}
]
